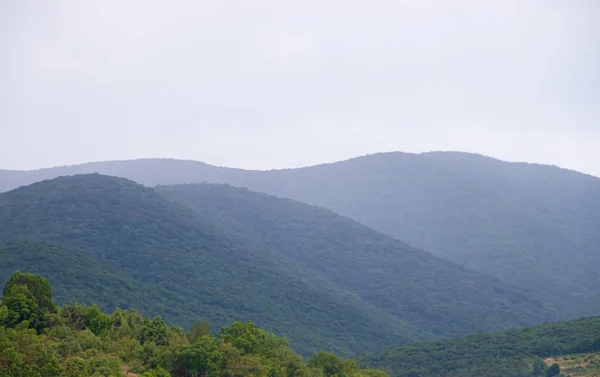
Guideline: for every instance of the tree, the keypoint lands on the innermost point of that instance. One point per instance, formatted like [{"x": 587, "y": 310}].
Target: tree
[
  {"x": 235, "y": 364},
  {"x": 22, "y": 309},
  {"x": 198, "y": 329},
  {"x": 3, "y": 313},
  {"x": 38, "y": 285},
  {"x": 538, "y": 367},
  {"x": 251, "y": 340},
  {"x": 75, "y": 367},
  {"x": 554, "y": 370},
  {"x": 200, "y": 359},
  {"x": 330, "y": 364},
  {"x": 155, "y": 331},
  {"x": 95, "y": 320}
]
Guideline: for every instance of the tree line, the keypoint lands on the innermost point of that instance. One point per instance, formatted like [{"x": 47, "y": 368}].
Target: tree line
[{"x": 40, "y": 339}]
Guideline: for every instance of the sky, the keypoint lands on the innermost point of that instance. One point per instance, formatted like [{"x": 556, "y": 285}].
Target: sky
[{"x": 274, "y": 84}]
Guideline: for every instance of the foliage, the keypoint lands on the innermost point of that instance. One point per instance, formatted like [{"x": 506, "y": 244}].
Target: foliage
[
  {"x": 27, "y": 300},
  {"x": 510, "y": 353},
  {"x": 584, "y": 365},
  {"x": 124, "y": 341}
]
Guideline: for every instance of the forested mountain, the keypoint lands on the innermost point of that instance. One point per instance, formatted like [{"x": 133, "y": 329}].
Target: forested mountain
[
  {"x": 39, "y": 339},
  {"x": 512, "y": 353},
  {"x": 429, "y": 292},
  {"x": 528, "y": 224},
  {"x": 112, "y": 241},
  {"x": 323, "y": 281}
]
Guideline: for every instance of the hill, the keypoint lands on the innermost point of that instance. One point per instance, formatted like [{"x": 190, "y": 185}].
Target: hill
[
  {"x": 428, "y": 292},
  {"x": 126, "y": 244},
  {"x": 513, "y": 353},
  {"x": 37, "y": 338},
  {"x": 527, "y": 224},
  {"x": 577, "y": 365},
  {"x": 81, "y": 276}
]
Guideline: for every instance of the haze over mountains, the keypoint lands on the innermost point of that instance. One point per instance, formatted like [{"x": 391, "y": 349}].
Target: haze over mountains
[{"x": 535, "y": 226}]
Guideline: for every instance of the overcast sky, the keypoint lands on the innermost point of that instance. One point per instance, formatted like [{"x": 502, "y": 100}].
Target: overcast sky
[{"x": 285, "y": 83}]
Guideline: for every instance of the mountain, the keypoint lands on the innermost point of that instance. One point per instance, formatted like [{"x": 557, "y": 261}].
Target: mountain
[
  {"x": 527, "y": 224},
  {"x": 81, "y": 276},
  {"x": 513, "y": 353},
  {"x": 430, "y": 293},
  {"x": 124, "y": 245},
  {"x": 226, "y": 254},
  {"x": 581, "y": 364}
]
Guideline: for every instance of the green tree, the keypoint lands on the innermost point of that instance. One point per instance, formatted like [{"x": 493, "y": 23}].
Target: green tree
[
  {"x": 38, "y": 285},
  {"x": 75, "y": 367},
  {"x": 330, "y": 364},
  {"x": 155, "y": 331},
  {"x": 201, "y": 359},
  {"x": 539, "y": 367},
  {"x": 198, "y": 330},
  {"x": 95, "y": 320},
  {"x": 250, "y": 339},
  {"x": 22, "y": 308},
  {"x": 554, "y": 370},
  {"x": 235, "y": 364},
  {"x": 3, "y": 313}
]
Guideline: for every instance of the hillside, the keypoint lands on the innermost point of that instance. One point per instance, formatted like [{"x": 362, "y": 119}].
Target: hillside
[
  {"x": 81, "y": 276},
  {"x": 430, "y": 293},
  {"x": 577, "y": 365},
  {"x": 531, "y": 225},
  {"x": 513, "y": 353},
  {"x": 163, "y": 258},
  {"x": 39, "y": 339}
]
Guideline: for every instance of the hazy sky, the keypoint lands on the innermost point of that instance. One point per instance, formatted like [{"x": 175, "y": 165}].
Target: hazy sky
[{"x": 272, "y": 83}]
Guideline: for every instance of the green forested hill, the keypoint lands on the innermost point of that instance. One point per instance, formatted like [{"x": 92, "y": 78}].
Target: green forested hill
[
  {"x": 528, "y": 224},
  {"x": 512, "y": 353},
  {"x": 429, "y": 292},
  {"x": 81, "y": 276},
  {"x": 323, "y": 281},
  {"x": 117, "y": 241}
]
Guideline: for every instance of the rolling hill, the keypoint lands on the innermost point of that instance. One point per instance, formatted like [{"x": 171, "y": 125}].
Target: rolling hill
[
  {"x": 513, "y": 353},
  {"x": 430, "y": 293},
  {"x": 226, "y": 254},
  {"x": 112, "y": 241},
  {"x": 532, "y": 225}
]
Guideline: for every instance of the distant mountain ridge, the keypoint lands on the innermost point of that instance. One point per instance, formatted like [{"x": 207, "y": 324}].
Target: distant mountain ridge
[{"x": 528, "y": 224}]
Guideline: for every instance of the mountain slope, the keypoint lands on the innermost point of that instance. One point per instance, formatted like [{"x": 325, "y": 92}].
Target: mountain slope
[
  {"x": 181, "y": 265},
  {"x": 532, "y": 225},
  {"x": 427, "y": 291},
  {"x": 81, "y": 276},
  {"x": 512, "y": 353}
]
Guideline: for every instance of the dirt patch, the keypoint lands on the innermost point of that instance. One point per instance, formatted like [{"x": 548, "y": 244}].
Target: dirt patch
[{"x": 125, "y": 370}]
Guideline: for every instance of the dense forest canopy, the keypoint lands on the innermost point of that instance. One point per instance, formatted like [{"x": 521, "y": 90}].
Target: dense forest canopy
[
  {"x": 116, "y": 243},
  {"x": 39, "y": 339},
  {"x": 429, "y": 292},
  {"x": 528, "y": 224},
  {"x": 512, "y": 353},
  {"x": 323, "y": 281},
  {"x": 237, "y": 258}
]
